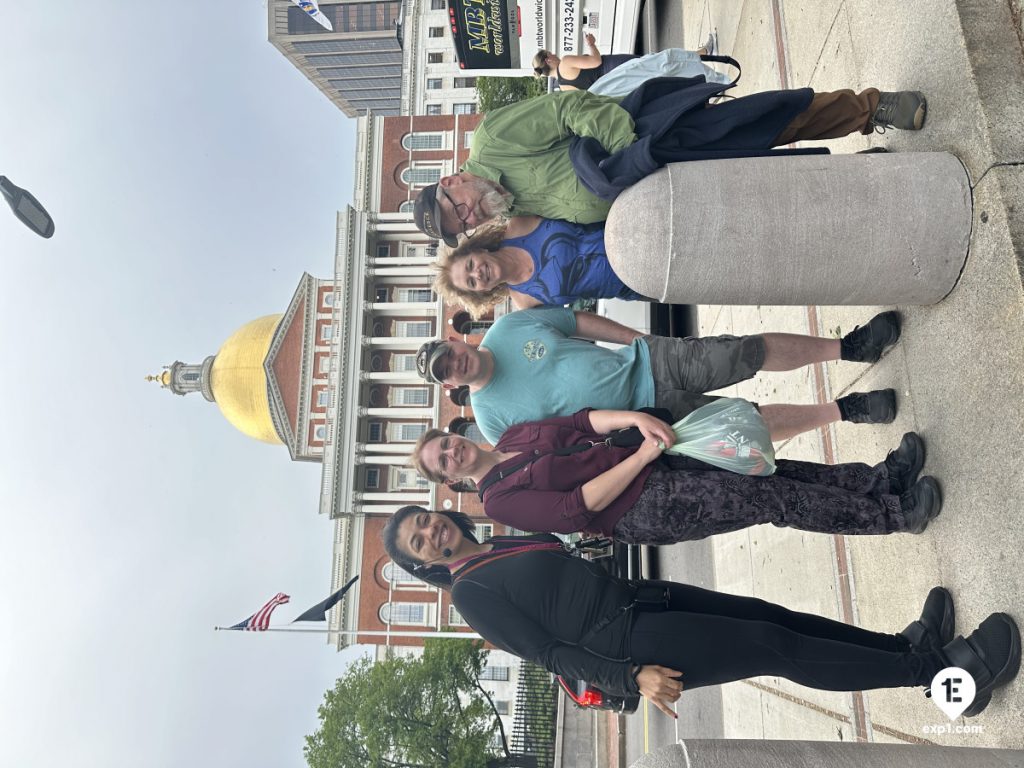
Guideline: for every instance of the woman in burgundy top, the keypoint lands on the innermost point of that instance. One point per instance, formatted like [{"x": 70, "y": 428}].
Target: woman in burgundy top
[{"x": 640, "y": 496}]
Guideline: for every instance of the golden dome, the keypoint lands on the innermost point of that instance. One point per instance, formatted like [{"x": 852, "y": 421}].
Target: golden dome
[{"x": 239, "y": 382}]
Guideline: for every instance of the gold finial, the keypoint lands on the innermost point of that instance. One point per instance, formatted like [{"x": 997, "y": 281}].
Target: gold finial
[{"x": 164, "y": 378}]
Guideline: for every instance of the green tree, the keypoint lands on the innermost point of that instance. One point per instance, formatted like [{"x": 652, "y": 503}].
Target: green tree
[
  {"x": 495, "y": 92},
  {"x": 409, "y": 713}
]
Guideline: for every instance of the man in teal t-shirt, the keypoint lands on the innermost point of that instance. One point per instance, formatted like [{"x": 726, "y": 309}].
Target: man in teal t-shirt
[{"x": 530, "y": 367}]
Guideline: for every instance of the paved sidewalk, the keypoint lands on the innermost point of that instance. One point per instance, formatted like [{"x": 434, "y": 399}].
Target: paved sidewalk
[{"x": 958, "y": 368}]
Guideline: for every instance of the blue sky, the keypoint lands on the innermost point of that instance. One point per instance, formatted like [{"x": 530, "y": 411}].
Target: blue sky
[{"x": 193, "y": 174}]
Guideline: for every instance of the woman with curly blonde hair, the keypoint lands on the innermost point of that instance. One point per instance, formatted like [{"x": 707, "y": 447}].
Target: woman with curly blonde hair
[{"x": 532, "y": 260}]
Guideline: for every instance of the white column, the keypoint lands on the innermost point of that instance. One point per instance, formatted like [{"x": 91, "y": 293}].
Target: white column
[
  {"x": 400, "y": 412},
  {"x": 378, "y": 509},
  {"x": 405, "y": 497},
  {"x": 373, "y": 459},
  {"x": 417, "y": 308},
  {"x": 400, "y": 272},
  {"x": 401, "y": 261},
  {"x": 385, "y": 448},
  {"x": 395, "y": 342},
  {"x": 392, "y": 377}
]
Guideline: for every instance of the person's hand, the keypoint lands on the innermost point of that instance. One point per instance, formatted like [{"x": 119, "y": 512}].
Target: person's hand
[
  {"x": 590, "y": 39},
  {"x": 654, "y": 428},
  {"x": 659, "y": 686},
  {"x": 649, "y": 450}
]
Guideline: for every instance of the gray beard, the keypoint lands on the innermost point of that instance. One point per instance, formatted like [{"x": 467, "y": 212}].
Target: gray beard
[{"x": 494, "y": 203}]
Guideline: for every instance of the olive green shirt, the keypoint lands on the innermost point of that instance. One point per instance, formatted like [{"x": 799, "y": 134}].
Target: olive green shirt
[{"x": 525, "y": 148}]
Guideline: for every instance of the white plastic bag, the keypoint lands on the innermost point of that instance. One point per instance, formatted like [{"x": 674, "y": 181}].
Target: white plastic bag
[{"x": 727, "y": 433}]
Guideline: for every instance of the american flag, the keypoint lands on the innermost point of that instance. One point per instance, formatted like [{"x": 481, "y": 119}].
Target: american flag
[{"x": 260, "y": 621}]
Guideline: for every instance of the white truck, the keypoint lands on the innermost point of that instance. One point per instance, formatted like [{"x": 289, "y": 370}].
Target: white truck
[{"x": 505, "y": 34}]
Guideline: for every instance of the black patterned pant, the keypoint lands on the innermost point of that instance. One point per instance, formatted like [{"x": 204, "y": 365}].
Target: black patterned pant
[
  {"x": 684, "y": 499},
  {"x": 715, "y": 638}
]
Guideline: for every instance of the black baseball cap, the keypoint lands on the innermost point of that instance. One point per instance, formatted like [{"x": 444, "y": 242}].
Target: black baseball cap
[
  {"x": 428, "y": 357},
  {"x": 427, "y": 214}
]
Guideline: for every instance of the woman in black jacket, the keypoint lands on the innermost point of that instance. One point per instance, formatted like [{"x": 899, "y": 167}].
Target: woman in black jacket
[{"x": 531, "y": 597}]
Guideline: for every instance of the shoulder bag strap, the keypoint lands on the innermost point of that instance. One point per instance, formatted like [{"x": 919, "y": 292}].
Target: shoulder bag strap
[
  {"x": 726, "y": 60},
  {"x": 494, "y": 477}
]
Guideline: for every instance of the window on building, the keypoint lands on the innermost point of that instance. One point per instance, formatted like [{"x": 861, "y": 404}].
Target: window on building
[
  {"x": 375, "y": 433},
  {"x": 403, "y": 362},
  {"x": 323, "y": 397},
  {"x": 433, "y": 109},
  {"x": 383, "y": 250},
  {"x": 373, "y": 477},
  {"x": 399, "y": 577},
  {"x": 326, "y": 332},
  {"x": 329, "y": 299},
  {"x": 409, "y": 433},
  {"x": 380, "y": 295},
  {"x": 435, "y": 32},
  {"x": 421, "y": 140},
  {"x": 411, "y": 395},
  {"x": 465, "y": 82},
  {"x": 483, "y": 531},
  {"x": 455, "y": 618},
  {"x": 413, "y": 328},
  {"x": 467, "y": 139},
  {"x": 494, "y": 673},
  {"x": 417, "y": 614},
  {"x": 502, "y": 707},
  {"x": 438, "y": 5},
  {"x": 433, "y": 83},
  {"x": 320, "y": 433},
  {"x": 421, "y": 175},
  {"x": 436, "y": 57},
  {"x": 190, "y": 377},
  {"x": 415, "y": 294},
  {"x": 407, "y": 207},
  {"x": 464, "y": 109},
  {"x": 324, "y": 364},
  {"x": 406, "y": 479}
]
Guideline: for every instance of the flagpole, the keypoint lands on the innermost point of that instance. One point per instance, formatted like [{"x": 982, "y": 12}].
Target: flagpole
[{"x": 364, "y": 632}]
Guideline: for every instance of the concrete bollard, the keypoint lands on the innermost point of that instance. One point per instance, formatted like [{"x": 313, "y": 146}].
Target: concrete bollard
[
  {"x": 874, "y": 229},
  {"x": 757, "y": 753}
]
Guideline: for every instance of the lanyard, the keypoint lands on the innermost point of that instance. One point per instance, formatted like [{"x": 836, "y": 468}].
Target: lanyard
[{"x": 461, "y": 567}]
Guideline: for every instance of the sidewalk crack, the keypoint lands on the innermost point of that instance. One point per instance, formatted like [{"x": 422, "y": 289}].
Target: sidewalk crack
[{"x": 1007, "y": 164}]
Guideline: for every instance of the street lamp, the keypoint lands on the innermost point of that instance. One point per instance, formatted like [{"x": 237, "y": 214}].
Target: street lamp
[{"x": 27, "y": 208}]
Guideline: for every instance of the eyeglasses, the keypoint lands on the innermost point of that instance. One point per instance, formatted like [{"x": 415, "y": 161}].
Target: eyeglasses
[{"x": 461, "y": 210}]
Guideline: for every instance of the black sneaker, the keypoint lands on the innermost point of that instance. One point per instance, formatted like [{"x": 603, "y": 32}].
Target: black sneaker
[
  {"x": 877, "y": 407},
  {"x": 935, "y": 627},
  {"x": 905, "y": 463},
  {"x": 866, "y": 343},
  {"x": 991, "y": 654},
  {"x": 921, "y": 504},
  {"x": 905, "y": 110}
]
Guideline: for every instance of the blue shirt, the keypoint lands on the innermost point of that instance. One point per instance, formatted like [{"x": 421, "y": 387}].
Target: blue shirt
[
  {"x": 540, "y": 372},
  {"x": 569, "y": 263}
]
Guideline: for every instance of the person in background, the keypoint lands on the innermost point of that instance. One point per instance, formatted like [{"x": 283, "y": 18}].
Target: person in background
[{"x": 582, "y": 72}]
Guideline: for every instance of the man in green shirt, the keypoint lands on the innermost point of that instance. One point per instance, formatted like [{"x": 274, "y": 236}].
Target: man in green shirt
[{"x": 519, "y": 163}]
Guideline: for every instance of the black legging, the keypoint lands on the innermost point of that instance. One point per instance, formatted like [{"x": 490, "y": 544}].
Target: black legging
[{"x": 715, "y": 638}]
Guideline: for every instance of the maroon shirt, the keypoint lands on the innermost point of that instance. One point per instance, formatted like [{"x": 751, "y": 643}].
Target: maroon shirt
[{"x": 547, "y": 494}]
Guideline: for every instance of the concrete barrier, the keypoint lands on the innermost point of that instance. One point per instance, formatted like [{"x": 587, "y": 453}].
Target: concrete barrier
[
  {"x": 874, "y": 229},
  {"x": 757, "y": 753}
]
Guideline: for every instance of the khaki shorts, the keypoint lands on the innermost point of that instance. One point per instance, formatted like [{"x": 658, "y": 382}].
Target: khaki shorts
[{"x": 684, "y": 369}]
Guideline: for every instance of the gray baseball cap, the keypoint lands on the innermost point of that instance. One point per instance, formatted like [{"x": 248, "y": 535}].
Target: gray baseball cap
[
  {"x": 428, "y": 357},
  {"x": 426, "y": 212}
]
